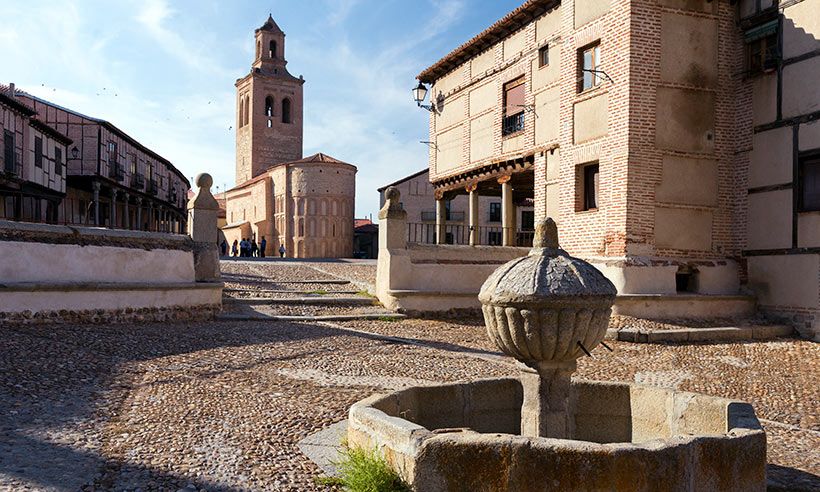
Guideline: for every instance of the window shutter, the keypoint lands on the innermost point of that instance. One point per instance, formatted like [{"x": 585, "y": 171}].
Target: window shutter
[{"x": 514, "y": 97}]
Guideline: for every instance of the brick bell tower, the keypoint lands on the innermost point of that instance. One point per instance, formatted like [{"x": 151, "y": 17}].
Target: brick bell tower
[{"x": 268, "y": 108}]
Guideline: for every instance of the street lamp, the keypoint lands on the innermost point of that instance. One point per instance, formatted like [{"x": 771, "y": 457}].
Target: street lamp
[
  {"x": 419, "y": 95},
  {"x": 75, "y": 152}
]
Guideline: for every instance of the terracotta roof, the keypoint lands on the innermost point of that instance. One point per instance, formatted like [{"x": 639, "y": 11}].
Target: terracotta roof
[
  {"x": 14, "y": 103},
  {"x": 315, "y": 158},
  {"x": 507, "y": 25},
  {"x": 270, "y": 25},
  {"x": 361, "y": 222},
  {"x": 402, "y": 180}
]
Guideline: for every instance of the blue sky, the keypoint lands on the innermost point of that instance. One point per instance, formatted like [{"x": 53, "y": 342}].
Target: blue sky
[{"x": 163, "y": 71}]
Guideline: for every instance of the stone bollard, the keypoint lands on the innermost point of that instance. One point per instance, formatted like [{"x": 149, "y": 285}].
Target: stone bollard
[
  {"x": 545, "y": 310},
  {"x": 203, "y": 211},
  {"x": 392, "y": 221}
]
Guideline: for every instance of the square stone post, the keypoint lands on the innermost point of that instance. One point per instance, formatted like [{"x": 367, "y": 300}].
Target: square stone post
[
  {"x": 203, "y": 210},
  {"x": 474, "y": 232},
  {"x": 507, "y": 212},
  {"x": 112, "y": 216},
  {"x": 96, "y": 187},
  {"x": 441, "y": 220},
  {"x": 545, "y": 411},
  {"x": 126, "y": 223},
  {"x": 139, "y": 214}
]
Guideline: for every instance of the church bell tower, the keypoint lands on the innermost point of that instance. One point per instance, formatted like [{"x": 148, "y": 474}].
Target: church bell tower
[{"x": 268, "y": 108}]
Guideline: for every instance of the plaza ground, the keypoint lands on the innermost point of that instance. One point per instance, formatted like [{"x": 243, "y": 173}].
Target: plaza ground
[{"x": 222, "y": 405}]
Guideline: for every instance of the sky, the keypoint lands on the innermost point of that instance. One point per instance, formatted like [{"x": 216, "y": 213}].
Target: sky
[{"x": 163, "y": 71}]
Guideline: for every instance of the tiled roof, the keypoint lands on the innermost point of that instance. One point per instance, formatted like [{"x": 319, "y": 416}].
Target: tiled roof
[
  {"x": 270, "y": 25},
  {"x": 507, "y": 25},
  {"x": 50, "y": 131},
  {"x": 315, "y": 158},
  {"x": 14, "y": 102}
]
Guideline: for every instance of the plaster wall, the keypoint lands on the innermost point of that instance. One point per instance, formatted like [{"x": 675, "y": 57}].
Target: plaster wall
[
  {"x": 588, "y": 11},
  {"x": 685, "y": 229},
  {"x": 689, "y": 49},
  {"x": 769, "y": 220},
  {"x": 449, "y": 149},
  {"x": 809, "y": 136},
  {"x": 514, "y": 45},
  {"x": 801, "y": 28},
  {"x": 482, "y": 62},
  {"x": 764, "y": 99},
  {"x": 686, "y": 120},
  {"x": 798, "y": 96},
  {"x": 548, "y": 120},
  {"x": 808, "y": 230},
  {"x": 771, "y": 158},
  {"x": 785, "y": 280},
  {"x": 591, "y": 118},
  {"x": 679, "y": 175}
]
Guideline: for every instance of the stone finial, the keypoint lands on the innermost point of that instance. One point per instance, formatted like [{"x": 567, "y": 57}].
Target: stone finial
[
  {"x": 546, "y": 234},
  {"x": 392, "y": 206},
  {"x": 203, "y": 199}
]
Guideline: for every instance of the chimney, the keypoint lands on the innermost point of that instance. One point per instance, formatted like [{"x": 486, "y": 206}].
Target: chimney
[{"x": 12, "y": 91}]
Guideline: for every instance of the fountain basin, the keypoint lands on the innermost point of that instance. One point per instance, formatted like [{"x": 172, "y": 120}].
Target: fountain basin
[{"x": 466, "y": 437}]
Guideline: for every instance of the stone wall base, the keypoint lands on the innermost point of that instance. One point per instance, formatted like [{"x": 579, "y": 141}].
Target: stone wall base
[{"x": 205, "y": 312}]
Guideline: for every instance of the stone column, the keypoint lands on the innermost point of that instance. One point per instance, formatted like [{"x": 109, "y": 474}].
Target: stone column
[
  {"x": 127, "y": 222},
  {"x": 112, "y": 215},
  {"x": 474, "y": 231},
  {"x": 545, "y": 411},
  {"x": 139, "y": 213},
  {"x": 151, "y": 215},
  {"x": 95, "y": 185},
  {"x": 441, "y": 220},
  {"x": 507, "y": 212},
  {"x": 203, "y": 212}
]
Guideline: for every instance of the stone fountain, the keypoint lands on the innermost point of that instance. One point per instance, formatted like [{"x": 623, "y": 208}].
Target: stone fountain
[{"x": 543, "y": 431}]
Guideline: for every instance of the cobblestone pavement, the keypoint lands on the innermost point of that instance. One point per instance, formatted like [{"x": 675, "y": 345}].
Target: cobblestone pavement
[{"x": 221, "y": 405}]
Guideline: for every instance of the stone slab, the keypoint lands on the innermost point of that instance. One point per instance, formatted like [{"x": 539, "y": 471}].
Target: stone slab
[
  {"x": 324, "y": 446},
  {"x": 318, "y": 300},
  {"x": 717, "y": 334}
]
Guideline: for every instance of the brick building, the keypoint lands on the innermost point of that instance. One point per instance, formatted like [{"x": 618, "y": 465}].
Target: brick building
[
  {"x": 674, "y": 141},
  {"x": 32, "y": 174},
  {"x": 418, "y": 200},
  {"x": 111, "y": 179},
  {"x": 305, "y": 204}
]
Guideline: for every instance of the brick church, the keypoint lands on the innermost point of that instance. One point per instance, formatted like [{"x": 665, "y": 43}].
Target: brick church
[{"x": 303, "y": 203}]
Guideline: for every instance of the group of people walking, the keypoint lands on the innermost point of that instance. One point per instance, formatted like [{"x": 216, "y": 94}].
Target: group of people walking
[{"x": 248, "y": 248}]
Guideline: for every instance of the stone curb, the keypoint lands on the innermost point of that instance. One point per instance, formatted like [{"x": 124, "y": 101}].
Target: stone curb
[
  {"x": 229, "y": 278},
  {"x": 728, "y": 333},
  {"x": 318, "y": 300},
  {"x": 330, "y": 317},
  {"x": 302, "y": 292}
]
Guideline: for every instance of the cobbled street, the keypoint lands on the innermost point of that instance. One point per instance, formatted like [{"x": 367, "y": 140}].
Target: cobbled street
[{"x": 222, "y": 405}]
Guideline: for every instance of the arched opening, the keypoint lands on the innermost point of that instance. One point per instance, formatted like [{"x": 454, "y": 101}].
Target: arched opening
[
  {"x": 272, "y": 50},
  {"x": 268, "y": 106},
  {"x": 286, "y": 111},
  {"x": 241, "y": 112},
  {"x": 247, "y": 109},
  {"x": 258, "y": 49}
]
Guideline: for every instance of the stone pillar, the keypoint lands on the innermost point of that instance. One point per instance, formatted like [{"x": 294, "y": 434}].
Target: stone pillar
[
  {"x": 112, "y": 214},
  {"x": 127, "y": 212},
  {"x": 203, "y": 212},
  {"x": 507, "y": 212},
  {"x": 150, "y": 216},
  {"x": 474, "y": 231},
  {"x": 545, "y": 411},
  {"x": 441, "y": 220},
  {"x": 95, "y": 185},
  {"x": 139, "y": 214}
]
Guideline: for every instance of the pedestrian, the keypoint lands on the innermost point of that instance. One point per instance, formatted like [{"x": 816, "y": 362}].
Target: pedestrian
[
  {"x": 243, "y": 248},
  {"x": 223, "y": 248},
  {"x": 262, "y": 245},
  {"x": 281, "y": 250},
  {"x": 235, "y": 248},
  {"x": 254, "y": 248}
]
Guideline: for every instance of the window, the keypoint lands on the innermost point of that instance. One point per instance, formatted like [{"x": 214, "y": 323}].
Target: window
[
  {"x": 762, "y": 54},
  {"x": 286, "y": 111},
  {"x": 133, "y": 163},
  {"x": 590, "y": 187},
  {"x": 544, "y": 56},
  {"x": 272, "y": 50},
  {"x": 495, "y": 212},
  {"x": 513, "y": 121},
  {"x": 8, "y": 152},
  {"x": 268, "y": 106},
  {"x": 527, "y": 220},
  {"x": 809, "y": 183},
  {"x": 259, "y": 49},
  {"x": 58, "y": 161},
  {"x": 38, "y": 152},
  {"x": 590, "y": 66}
]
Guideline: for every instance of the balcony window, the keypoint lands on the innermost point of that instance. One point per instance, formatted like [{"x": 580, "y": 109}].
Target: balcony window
[
  {"x": 58, "y": 161},
  {"x": 495, "y": 212},
  {"x": 9, "y": 164},
  {"x": 38, "y": 152},
  {"x": 809, "y": 183},
  {"x": 590, "y": 67},
  {"x": 513, "y": 120},
  {"x": 762, "y": 50}
]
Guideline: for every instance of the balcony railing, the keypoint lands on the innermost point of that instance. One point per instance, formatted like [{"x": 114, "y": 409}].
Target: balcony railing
[
  {"x": 512, "y": 124},
  {"x": 13, "y": 167},
  {"x": 460, "y": 234},
  {"x": 153, "y": 189},
  {"x": 137, "y": 181},
  {"x": 430, "y": 216},
  {"x": 116, "y": 171}
]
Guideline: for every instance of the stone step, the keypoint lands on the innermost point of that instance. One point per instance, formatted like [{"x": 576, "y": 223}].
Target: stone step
[
  {"x": 692, "y": 306},
  {"x": 228, "y": 278},
  {"x": 301, "y": 292},
  {"x": 716, "y": 334},
  {"x": 314, "y": 301},
  {"x": 328, "y": 317}
]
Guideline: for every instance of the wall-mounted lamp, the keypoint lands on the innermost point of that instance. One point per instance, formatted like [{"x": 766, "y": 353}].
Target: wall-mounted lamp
[
  {"x": 419, "y": 95},
  {"x": 429, "y": 144},
  {"x": 75, "y": 153}
]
